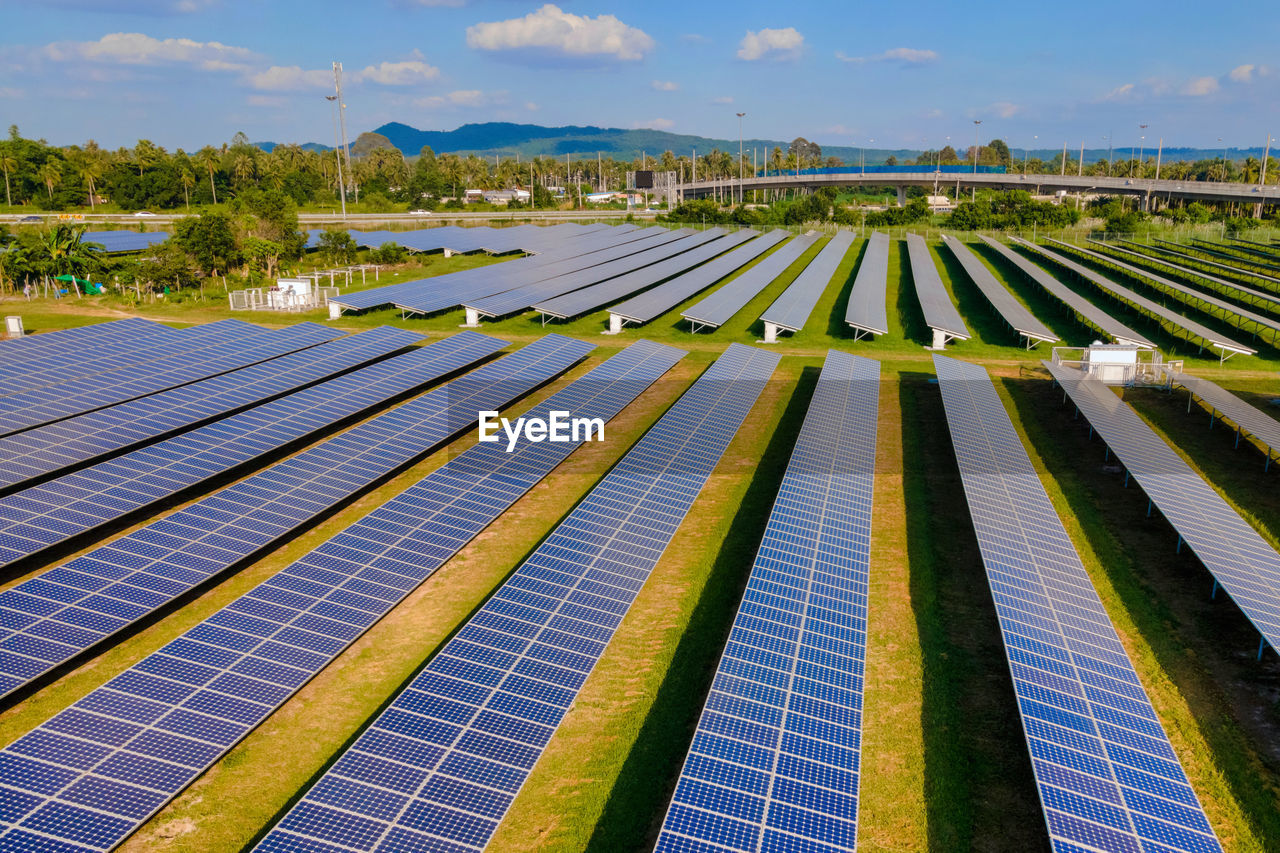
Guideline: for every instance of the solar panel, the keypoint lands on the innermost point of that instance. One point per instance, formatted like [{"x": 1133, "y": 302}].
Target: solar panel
[
  {"x": 1107, "y": 776},
  {"x": 1268, "y": 259},
  {"x": 793, "y": 307},
  {"x": 1088, "y": 313},
  {"x": 1007, "y": 306},
  {"x": 185, "y": 705},
  {"x": 64, "y": 359},
  {"x": 71, "y": 608},
  {"x": 124, "y": 241},
  {"x": 51, "y": 513},
  {"x": 449, "y": 754},
  {"x": 1235, "y": 290},
  {"x": 774, "y": 763},
  {"x": 599, "y": 295},
  {"x": 71, "y": 443},
  {"x": 940, "y": 312},
  {"x": 18, "y": 349},
  {"x": 1239, "y": 559},
  {"x": 1264, "y": 429},
  {"x": 1168, "y": 319},
  {"x": 1200, "y": 247},
  {"x": 1189, "y": 256},
  {"x": 667, "y": 245},
  {"x": 867, "y": 313},
  {"x": 716, "y": 309},
  {"x": 198, "y": 361},
  {"x": 656, "y": 301},
  {"x": 1241, "y": 318}
]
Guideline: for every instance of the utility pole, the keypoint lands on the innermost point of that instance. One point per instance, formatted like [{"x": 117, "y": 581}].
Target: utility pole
[
  {"x": 342, "y": 123},
  {"x": 1064, "y": 159},
  {"x": 1080, "y": 167},
  {"x": 973, "y": 190},
  {"x": 740, "y": 115},
  {"x": 337, "y": 154},
  {"x": 1266, "y": 155},
  {"x": 1159, "y": 151},
  {"x": 1141, "y": 146}
]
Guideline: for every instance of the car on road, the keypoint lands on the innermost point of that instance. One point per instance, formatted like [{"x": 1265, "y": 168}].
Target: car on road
[
  {"x": 144, "y": 213},
  {"x": 419, "y": 213},
  {"x": 31, "y": 219}
]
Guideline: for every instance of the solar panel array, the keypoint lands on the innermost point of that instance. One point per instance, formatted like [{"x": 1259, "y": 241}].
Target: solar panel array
[
  {"x": 1239, "y": 559},
  {"x": 439, "y": 767},
  {"x": 424, "y": 290},
  {"x": 1162, "y": 315},
  {"x": 124, "y": 241},
  {"x": 1241, "y": 318},
  {"x": 1107, "y": 775},
  {"x": 606, "y": 292},
  {"x": 71, "y": 443},
  {"x": 50, "y": 513},
  {"x": 867, "y": 312},
  {"x": 60, "y": 341},
  {"x": 717, "y": 308},
  {"x": 1006, "y": 304},
  {"x": 1091, "y": 314},
  {"x": 66, "y": 359},
  {"x": 1201, "y": 247},
  {"x": 775, "y": 760},
  {"x": 118, "y": 583},
  {"x": 1264, "y": 428},
  {"x": 463, "y": 239},
  {"x": 663, "y": 246},
  {"x": 95, "y": 772},
  {"x": 191, "y": 362},
  {"x": 791, "y": 309},
  {"x": 1235, "y": 290},
  {"x": 664, "y": 297},
  {"x": 940, "y": 312},
  {"x": 1162, "y": 248}
]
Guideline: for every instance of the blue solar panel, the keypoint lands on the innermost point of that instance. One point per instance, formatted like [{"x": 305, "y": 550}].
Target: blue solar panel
[
  {"x": 72, "y": 443},
  {"x": 40, "y": 516},
  {"x": 118, "y": 583},
  {"x": 166, "y": 366},
  {"x": 124, "y": 241},
  {"x": 62, "y": 356},
  {"x": 27, "y": 346},
  {"x": 438, "y": 769},
  {"x": 774, "y": 763},
  {"x": 1107, "y": 776},
  {"x": 186, "y": 704},
  {"x": 1237, "y": 556}
]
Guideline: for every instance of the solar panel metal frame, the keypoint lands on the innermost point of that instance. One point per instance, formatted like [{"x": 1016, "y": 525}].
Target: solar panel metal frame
[
  {"x": 867, "y": 311},
  {"x": 72, "y": 443},
  {"x": 940, "y": 313},
  {"x": 717, "y": 309},
  {"x": 1241, "y": 562},
  {"x": 500, "y": 686},
  {"x": 1206, "y": 248},
  {"x": 1107, "y": 776},
  {"x": 1013, "y": 312},
  {"x": 1187, "y": 256},
  {"x": 657, "y": 301},
  {"x": 1221, "y": 403},
  {"x": 64, "y": 359},
  {"x": 775, "y": 759},
  {"x": 277, "y": 636},
  {"x": 792, "y": 308},
  {"x": 1086, "y": 311},
  {"x": 1258, "y": 298},
  {"x": 1226, "y": 346}
]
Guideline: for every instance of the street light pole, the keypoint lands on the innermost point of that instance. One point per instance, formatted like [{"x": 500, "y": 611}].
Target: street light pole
[
  {"x": 973, "y": 190},
  {"x": 337, "y": 154},
  {"x": 1026, "y": 155},
  {"x": 1142, "y": 147},
  {"x": 740, "y": 115},
  {"x": 1110, "y": 151},
  {"x": 1224, "y": 160}
]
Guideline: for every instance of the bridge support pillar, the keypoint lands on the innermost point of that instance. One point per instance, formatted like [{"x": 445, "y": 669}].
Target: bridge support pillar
[{"x": 902, "y": 196}]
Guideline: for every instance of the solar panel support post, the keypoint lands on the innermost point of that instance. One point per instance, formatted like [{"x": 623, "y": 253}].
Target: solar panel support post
[
  {"x": 770, "y": 333},
  {"x": 615, "y": 325},
  {"x": 473, "y": 319}
]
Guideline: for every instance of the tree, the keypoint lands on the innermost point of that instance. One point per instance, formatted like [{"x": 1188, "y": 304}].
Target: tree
[
  {"x": 90, "y": 171},
  {"x": 209, "y": 157},
  {"x": 8, "y": 164},
  {"x": 50, "y": 176},
  {"x": 188, "y": 181},
  {"x": 209, "y": 240},
  {"x": 66, "y": 254},
  {"x": 338, "y": 245}
]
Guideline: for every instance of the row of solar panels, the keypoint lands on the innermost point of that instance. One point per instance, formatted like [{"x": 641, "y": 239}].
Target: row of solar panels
[{"x": 775, "y": 760}]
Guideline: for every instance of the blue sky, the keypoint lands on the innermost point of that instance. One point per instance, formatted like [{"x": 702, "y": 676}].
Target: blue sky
[{"x": 184, "y": 73}]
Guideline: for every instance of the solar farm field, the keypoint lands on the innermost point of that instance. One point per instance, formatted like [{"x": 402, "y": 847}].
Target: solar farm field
[{"x": 835, "y": 592}]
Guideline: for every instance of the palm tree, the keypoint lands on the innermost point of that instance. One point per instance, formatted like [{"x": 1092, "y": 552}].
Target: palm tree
[
  {"x": 65, "y": 253},
  {"x": 8, "y": 163},
  {"x": 209, "y": 157},
  {"x": 90, "y": 171},
  {"x": 243, "y": 169},
  {"x": 51, "y": 175},
  {"x": 188, "y": 181}
]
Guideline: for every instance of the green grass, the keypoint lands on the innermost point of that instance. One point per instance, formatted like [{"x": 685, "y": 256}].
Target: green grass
[{"x": 945, "y": 764}]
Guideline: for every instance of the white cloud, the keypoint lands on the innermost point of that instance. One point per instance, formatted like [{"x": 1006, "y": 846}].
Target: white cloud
[
  {"x": 10, "y": 93},
  {"x": 934, "y": 113},
  {"x": 468, "y": 98},
  {"x": 272, "y": 101},
  {"x": 665, "y": 85},
  {"x": 694, "y": 37},
  {"x": 723, "y": 99},
  {"x": 1004, "y": 109},
  {"x": 771, "y": 44},
  {"x": 530, "y": 106},
  {"x": 903, "y": 55},
  {"x": 1120, "y": 93},
  {"x": 399, "y": 73},
  {"x": 654, "y": 124},
  {"x": 141, "y": 49},
  {"x": 1200, "y": 86},
  {"x": 289, "y": 78},
  {"x": 1242, "y": 73},
  {"x": 551, "y": 31}
]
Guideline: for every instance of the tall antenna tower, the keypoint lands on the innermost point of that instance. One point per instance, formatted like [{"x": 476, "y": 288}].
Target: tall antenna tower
[{"x": 342, "y": 123}]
